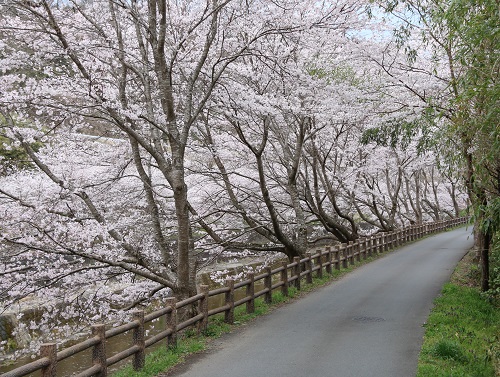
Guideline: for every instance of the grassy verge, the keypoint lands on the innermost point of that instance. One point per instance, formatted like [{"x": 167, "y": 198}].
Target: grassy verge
[
  {"x": 462, "y": 337},
  {"x": 162, "y": 360}
]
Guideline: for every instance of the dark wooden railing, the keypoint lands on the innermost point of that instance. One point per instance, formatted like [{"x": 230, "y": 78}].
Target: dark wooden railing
[{"x": 325, "y": 260}]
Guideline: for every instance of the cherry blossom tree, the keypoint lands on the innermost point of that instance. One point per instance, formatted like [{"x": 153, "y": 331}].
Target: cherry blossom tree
[
  {"x": 113, "y": 93},
  {"x": 158, "y": 132},
  {"x": 277, "y": 105}
]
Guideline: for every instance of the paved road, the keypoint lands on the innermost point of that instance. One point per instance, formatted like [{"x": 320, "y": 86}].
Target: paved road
[{"x": 368, "y": 324}]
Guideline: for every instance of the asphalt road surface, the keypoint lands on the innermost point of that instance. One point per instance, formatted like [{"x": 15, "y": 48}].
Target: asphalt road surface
[{"x": 368, "y": 324}]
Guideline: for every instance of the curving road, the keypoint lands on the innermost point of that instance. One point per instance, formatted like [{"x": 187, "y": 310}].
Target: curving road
[{"x": 368, "y": 324}]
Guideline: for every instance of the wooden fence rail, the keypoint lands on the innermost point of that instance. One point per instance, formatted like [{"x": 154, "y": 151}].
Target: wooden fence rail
[{"x": 289, "y": 274}]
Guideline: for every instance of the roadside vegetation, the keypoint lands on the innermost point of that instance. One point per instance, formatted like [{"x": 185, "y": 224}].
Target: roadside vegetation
[{"x": 463, "y": 331}]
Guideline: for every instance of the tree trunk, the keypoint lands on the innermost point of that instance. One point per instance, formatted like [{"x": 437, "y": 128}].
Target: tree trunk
[
  {"x": 184, "y": 288},
  {"x": 484, "y": 249}
]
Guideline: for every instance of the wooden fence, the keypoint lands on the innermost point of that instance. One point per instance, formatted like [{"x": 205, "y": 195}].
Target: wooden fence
[{"x": 290, "y": 274}]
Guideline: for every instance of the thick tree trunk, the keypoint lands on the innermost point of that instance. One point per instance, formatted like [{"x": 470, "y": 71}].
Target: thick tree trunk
[
  {"x": 184, "y": 286},
  {"x": 484, "y": 250},
  {"x": 301, "y": 229}
]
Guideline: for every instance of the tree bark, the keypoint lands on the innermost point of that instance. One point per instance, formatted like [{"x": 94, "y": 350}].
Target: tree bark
[{"x": 484, "y": 239}]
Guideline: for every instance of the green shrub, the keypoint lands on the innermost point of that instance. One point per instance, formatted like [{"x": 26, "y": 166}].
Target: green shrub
[{"x": 494, "y": 291}]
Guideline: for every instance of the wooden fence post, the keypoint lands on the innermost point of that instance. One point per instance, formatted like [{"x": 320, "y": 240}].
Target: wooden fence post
[
  {"x": 99, "y": 350},
  {"x": 319, "y": 261},
  {"x": 297, "y": 272},
  {"x": 268, "y": 283},
  {"x": 229, "y": 298},
  {"x": 363, "y": 248},
  {"x": 337, "y": 257},
  {"x": 344, "y": 260},
  {"x": 250, "y": 292},
  {"x": 328, "y": 267},
  {"x": 49, "y": 350},
  {"x": 138, "y": 340},
  {"x": 375, "y": 244},
  {"x": 351, "y": 252},
  {"x": 203, "y": 308},
  {"x": 171, "y": 322},
  {"x": 357, "y": 249},
  {"x": 284, "y": 279},
  {"x": 309, "y": 276}
]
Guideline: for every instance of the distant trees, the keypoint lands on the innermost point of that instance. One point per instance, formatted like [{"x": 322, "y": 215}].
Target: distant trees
[{"x": 456, "y": 44}]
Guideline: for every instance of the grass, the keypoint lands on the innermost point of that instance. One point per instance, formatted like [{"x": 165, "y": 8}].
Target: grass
[
  {"x": 462, "y": 337},
  {"x": 161, "y": 360}
]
